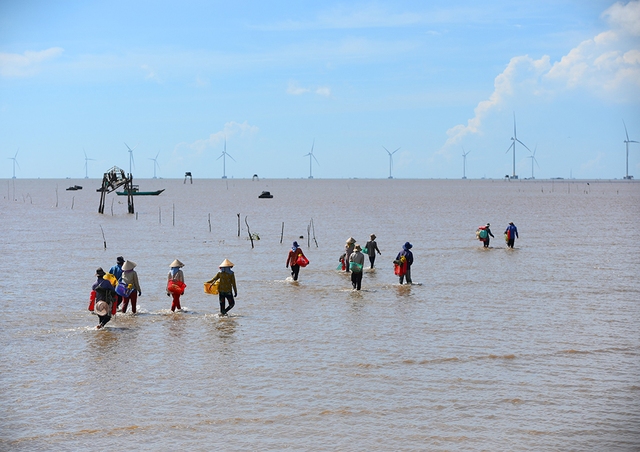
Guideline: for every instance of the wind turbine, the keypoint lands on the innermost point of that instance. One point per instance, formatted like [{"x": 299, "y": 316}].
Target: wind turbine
[
  {"x": 86, "y": 164},
  {"x": 464, "y": 163},
  {"x": 155, "y": 163},
  {"x": 131, "y": 162},
  {"x": 15, "y": 162},
  {"x": 626, "y": 142},
  {"x": 533, "y": 159},
  {"x": 224, "y": 159},
  {"x": 390, "y": 159},
  {"x": 514, "y": 138},
  {"x": 311, "y": 158}
]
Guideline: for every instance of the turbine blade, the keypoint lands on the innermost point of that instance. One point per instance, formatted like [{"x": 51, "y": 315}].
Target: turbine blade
[
  {"x": 314, "y": 158},
  {"x": 632, "y": 141},
  {"x": 512, "y": 145},
  {"x": 395, "y": 151},
  {"x": 386, "y": 150},
  {"x": 128, "y": 147},
  {"x": 522, "y": 144},
  {"x": 221, "y": 155},
  {"x": 229, "y": 155},
  {"x": 625, "y": 130}
]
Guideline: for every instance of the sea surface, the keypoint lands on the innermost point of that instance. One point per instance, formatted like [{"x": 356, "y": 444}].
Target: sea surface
[{"x": 531, "y": 349}]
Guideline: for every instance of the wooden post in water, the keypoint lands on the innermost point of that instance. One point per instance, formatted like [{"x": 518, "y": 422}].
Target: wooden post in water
[
  {"x": 313, "y": 228},
  {"x": 282, "y": 232},
  {"x": 14, "y": 194},
  {"x": 248, "y": 231},
  {"x": 159, "y": 215},
  {"x": 73, "y": 201},
  {"x": 209, "y": 220},
  {"x": 104, "y": 240},
  {"x": 308, "y": 233},
  {"x": 238, "y": 224},
  {"x": 174, "y": 214}
]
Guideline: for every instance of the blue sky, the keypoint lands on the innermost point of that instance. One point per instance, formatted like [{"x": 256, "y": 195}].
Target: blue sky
[{"x": 174, "y": 79}]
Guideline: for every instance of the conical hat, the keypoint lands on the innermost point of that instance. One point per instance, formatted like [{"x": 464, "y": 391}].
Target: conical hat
[
  {"x": 129, "y": 265},
  {"x": 226, "y": 263},
  {"x": 351, "y": 240},
  {"x": 176, "y": 263},
  {"x": 101, "y": 308}
]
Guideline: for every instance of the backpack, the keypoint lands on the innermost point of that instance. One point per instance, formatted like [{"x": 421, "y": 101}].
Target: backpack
[{"x": 482, "y": 233}]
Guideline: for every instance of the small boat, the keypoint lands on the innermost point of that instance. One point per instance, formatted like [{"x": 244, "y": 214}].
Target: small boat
[
  {"x": 265, "y": 194},
  {"x": 74, "y": 187},
  {"x": 135, "y": 191}
]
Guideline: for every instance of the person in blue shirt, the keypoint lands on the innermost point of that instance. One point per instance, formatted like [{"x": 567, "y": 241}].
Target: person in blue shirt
[
  {"x": 116, "y": 271},
  {"x": 511, "y": 232},
  {"x": 408, "y": 255}
]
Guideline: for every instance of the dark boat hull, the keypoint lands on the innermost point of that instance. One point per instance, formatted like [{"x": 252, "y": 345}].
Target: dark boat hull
[{"x": 140, "y": 193}]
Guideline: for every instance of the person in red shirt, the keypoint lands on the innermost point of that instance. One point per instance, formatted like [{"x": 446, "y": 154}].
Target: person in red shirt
[{"x": 292, "y": 260}]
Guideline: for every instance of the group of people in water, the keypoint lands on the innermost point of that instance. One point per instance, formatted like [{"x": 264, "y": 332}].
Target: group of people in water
[
  {"x": 114, "y": 291},
  {"x": 483, "y": 233}
]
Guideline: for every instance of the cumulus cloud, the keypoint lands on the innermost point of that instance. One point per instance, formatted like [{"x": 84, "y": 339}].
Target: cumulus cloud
[
  {"x": 27, "y": 64},
  {"x": 324, "y": 91},
  {"x": 607, "y": 65}
]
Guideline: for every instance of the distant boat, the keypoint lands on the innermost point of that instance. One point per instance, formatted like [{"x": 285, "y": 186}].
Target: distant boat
[
  {"x": 135, "y": 191},
  {"x": 265, "y": 194},
  {"x": 74, "y": 187}
]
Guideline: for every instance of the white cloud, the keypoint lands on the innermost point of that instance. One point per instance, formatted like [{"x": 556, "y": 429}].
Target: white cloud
[
  {"x": 295, "y": 89},
  {"x": 229, "y": 130},
  {"x": 27, "y": 64},
  {"x": 607, "y": 66},
  {"x": 151, "y": 73},
  {"x": 324, "y": 91}
]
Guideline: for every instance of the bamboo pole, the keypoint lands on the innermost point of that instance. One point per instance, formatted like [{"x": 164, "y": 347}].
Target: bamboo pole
[
  {"x": 174, "y": 214},
  {"x": 104, "y": 240},
  {"x": 238, "y": 224},
  {"x": 248, "y": 231},
  {"x": 209, "y": 222},
  {"x": 282, "y": 232}
]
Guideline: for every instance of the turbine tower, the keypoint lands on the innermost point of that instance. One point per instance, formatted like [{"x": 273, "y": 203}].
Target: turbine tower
[
  {"x": 86, "y": 164},
  {"x": 311, "y": 158},
  {"x": 464, "y": 163},
  {"x": 131, "y": 162},
  {"x": 155, "y": 163},
  {"x": 626, "y": 142},
  {"x": 390, "y": 160},
  {"x": 533, "y": 159},
  {"x": 15, "y": 162},
  {"x": 514, "y": 138},
  {"x": 224, "y": 159}
]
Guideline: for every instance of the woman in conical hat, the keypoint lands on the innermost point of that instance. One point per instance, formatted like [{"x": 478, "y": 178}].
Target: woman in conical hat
[
  {"x": 348, "y": 250},
  {"x": 372, "y": 247},
  {"x": 130, "y": 279},
  {"x": 105, "y": 297},
  {"x": 175, "y": 280},
  {"x": 227, "y": 289}
]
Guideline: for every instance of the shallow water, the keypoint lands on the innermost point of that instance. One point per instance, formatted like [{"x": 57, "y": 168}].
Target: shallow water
[{"x": 534, "y": 348}]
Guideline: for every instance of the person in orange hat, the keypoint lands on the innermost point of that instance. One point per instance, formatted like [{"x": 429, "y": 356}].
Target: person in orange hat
[{"x": 226, "y": 287}]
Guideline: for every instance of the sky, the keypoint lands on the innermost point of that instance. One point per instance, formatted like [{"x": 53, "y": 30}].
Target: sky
[{"x": 174, "y": 81}]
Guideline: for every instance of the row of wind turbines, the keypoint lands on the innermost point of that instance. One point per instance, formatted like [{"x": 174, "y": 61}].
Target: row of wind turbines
[{"x": 312, "y": 157}]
